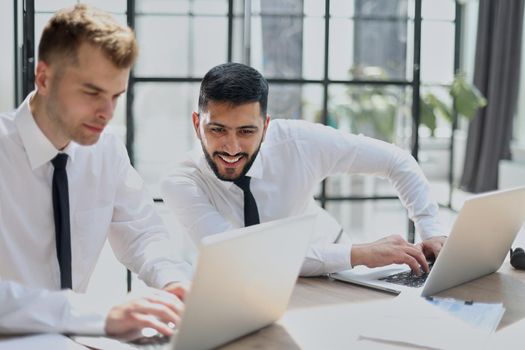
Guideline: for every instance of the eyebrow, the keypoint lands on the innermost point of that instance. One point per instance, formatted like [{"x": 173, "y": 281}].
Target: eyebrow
[
  {"x": 99, "y": 89},
  {"x": 226, "y": 127}
]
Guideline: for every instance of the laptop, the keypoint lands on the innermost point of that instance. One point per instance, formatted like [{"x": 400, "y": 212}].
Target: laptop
[
  {"x": 243, "y": 281},
  {"x": 481, "y": 237}
]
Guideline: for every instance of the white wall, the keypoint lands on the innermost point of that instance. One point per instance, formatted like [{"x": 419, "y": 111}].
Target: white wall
[{"x": 6, "y": 56}]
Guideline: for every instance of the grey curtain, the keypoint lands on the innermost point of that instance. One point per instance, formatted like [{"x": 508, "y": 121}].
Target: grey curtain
[{"x": 496, "y": 75}]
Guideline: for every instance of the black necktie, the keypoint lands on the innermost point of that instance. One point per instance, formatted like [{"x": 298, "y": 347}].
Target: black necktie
[
  {"x": 61, "y": 214},
  {"x": 251, "y": 214}
]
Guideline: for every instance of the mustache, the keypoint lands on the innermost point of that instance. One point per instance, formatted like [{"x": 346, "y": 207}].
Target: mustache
[{"x": 242, "y": 154}]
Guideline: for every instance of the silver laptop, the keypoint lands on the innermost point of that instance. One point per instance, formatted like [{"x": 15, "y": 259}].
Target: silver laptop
[
  {"x": 243, "y": 281},
  {"x": 479, "y": 241}
]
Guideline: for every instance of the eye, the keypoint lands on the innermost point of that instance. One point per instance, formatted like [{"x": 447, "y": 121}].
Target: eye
[
  {"x": 91, "y": 93},
  {"x": 247, "y": 132},
  {"x": 217, "y": 130}
]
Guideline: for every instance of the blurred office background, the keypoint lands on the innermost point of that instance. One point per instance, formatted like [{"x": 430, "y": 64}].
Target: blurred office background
[{"x": 384, "y": 68}]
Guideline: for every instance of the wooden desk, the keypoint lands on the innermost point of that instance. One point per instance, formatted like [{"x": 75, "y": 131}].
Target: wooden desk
[{"x": 506, "y": 286}]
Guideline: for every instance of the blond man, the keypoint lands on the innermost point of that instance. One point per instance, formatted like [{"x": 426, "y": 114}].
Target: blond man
[{"x": 66, "y": 187}]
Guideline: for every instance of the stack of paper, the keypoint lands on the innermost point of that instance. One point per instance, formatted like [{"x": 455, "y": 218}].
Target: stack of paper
[{"x": 412, "y": 320}]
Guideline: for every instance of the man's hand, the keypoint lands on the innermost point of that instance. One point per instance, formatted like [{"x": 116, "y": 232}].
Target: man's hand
[
  {"x": 180, "y": 289},
  {"x": 393, "y": 249},
  {"x": 157, "y": 309},
  {"x": 432, "y": 246}
]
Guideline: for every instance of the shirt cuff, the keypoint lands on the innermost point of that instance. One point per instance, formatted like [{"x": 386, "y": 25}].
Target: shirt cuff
[
  {"x": 86, "y": 314},
  {"x": 338, "y": 257},
  {"x": 181, "y": 273},
  {"x": 429, "y": 227}
]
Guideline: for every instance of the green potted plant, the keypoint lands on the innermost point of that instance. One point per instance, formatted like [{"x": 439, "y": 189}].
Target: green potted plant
[{"x": 467, "y": 100}]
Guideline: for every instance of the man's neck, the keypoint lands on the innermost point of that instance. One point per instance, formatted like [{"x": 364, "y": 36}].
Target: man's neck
[{"x": 37, "y": 105}]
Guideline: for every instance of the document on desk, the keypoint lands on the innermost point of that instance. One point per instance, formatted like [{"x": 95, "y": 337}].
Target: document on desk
[
  {"x": 482, "y": 316},
  {"x": 415, "y": 321}
]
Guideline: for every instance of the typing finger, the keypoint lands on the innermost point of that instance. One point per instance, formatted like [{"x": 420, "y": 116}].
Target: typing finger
[
  {"x": 159, "y": 310},
  {"x": 143, "y": 321},
  {"x": 419, "y": 257},
  {"x": 412, "y": 263},
  {"x": 167, "y": 299}
]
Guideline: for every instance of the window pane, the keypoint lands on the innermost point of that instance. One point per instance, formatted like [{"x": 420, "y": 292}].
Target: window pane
[
  {"x": 366, "y": 221},
  {"x": 170, "y": 57},
  {"x": 214, "y": 33},
  {"x": 163, "y": 128},
  {"x": 357, "y": 45},
  {"x": 381, "y": 8},
  {"x": 238, "y": 7},
  {"x": 438, "y": 9},
  {"x": 52, "y": 5},
  {"x": 195, "y": 7},
  {"x": 277, "y": 46},
  {"x": 434, "y": 148},
  {"x": 237, "y": 46},
  {"x": 437, "y": 52},
  {"x": 313, "y": 48},
  {"x": 41, "y": 20},
  {"x": 293, "y": 101},
  {"x": 114, "y": 6},
  {"x": 180, "y": 54},
  {"x": 440, "y": 121},
  {"x": 314, "y": 8},
  {"x": 341, "y": 49},
  {"x": 163, "y": 6},
  {"x": 210, "y": 7},
  {"x": 277, "y": 7},
  {"x": 381, "y": 112},
  {"x": 342, "y": 8}
]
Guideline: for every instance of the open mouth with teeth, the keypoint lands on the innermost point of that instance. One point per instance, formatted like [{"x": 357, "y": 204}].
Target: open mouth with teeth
[{"x": 230, "y": 161}]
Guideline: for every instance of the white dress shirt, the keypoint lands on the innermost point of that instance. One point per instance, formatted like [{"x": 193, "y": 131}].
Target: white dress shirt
[
  {"x": 107, "y": 200},
  {"x": 294, "y": 158}
]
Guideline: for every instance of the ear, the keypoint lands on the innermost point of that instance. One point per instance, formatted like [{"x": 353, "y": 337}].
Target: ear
[
  {"x": 265, "y": 127},
  {"x": 196, "y": 122},
  {"x": 43, "y": 75}
]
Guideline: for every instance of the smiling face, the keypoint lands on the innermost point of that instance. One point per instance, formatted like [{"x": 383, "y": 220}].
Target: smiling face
[
  {"x": 231, "y": 136},
  {"x": 77, "y": 99}
]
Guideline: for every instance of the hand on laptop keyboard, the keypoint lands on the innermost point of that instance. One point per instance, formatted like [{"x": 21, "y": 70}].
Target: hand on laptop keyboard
[
  {"x": 409, "y": 278},
  {"x": 393, "y": 249}
]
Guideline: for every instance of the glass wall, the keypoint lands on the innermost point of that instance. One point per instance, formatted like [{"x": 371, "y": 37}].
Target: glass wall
[{"x": 348, "y": 64}]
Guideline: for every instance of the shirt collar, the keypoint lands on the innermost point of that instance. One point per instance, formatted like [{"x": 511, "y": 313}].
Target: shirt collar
[{"x": 38, "y": 148}]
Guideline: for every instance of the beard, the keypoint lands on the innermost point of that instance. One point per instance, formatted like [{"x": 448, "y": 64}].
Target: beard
[{"x": 215, "y": 168}]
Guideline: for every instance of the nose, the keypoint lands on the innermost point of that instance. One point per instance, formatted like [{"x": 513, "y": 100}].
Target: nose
[
  {"x": 106, "y": 109},
  {"x": 232, "y": 144}
]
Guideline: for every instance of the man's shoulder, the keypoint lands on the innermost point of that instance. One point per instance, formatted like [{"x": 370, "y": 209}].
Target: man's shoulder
[
  {"x": 281, "y": 130},
  {"x": 7, "y": 124},
  {"x": 187, "y": 171}
]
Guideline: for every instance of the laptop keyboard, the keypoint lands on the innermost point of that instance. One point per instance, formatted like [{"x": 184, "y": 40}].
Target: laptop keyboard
[
  {"x": 408, "y": 278},
  {"x": 156, "y": 342}
]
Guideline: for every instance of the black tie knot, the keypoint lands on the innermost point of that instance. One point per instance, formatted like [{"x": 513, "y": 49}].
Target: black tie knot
[
  {"x": 243, "y": 182},
  {"x": 60, "y": 161}
]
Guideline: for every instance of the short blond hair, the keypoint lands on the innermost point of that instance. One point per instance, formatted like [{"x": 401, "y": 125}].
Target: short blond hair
[{"x": 69, "y": 28}]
